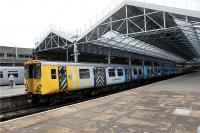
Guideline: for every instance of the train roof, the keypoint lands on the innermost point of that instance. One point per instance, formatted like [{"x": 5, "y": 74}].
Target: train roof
[
  {"x": 11, "y": 67},
  {"x": 59, "y": 63},
  {"x": 78, "y": 64}
]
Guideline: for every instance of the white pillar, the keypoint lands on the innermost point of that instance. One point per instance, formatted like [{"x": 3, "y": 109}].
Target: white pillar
[
  {"x": 129, "y": 61},
  {"x": 109, "y": 59},
  {"x": 75, "y": 53}
]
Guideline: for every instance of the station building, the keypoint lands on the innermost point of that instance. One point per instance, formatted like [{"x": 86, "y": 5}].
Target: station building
[{"x": 14, "y": 56}]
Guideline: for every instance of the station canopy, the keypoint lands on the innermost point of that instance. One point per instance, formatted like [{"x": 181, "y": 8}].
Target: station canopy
[{"x": 157, "y": 31}]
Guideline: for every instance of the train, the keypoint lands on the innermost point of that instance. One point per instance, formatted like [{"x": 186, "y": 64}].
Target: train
[
  {"x": 46, "y": 78},
  {"x": 16, "y": 71}
]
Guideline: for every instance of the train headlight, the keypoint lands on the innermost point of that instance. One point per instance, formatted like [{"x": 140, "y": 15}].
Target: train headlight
[
  {"x": 26, "y": 86},
  {"x": 39, "y": 87}
]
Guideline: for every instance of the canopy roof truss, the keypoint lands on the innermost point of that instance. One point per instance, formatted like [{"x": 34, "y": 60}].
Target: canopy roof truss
[
  {"x": 120, "y": 41},
  {"x": 165, "y": 32}
]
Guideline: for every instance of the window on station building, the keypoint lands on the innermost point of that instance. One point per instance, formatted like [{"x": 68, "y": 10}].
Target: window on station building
[
  {"x": 27, "y": 56},
  {"x": 119, "y": 72},
  {"x": 53, "y": 73},
  {"x": 1, "y": 55},
  {"x": 140, "y": 71},
  {"x": 84, "y": 73},
  {"x": 11, "y": 55},
  {"x": 14, "y": 73},
  {"x": 1, "y": 74},
  {"x": 111, "y": 72},
  {"x": 21, "y": 55},
  {"x": 135, "y": 71}
]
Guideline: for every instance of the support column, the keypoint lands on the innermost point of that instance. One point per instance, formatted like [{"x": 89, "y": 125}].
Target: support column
[
  {"x": 186, "y": 18},
  {"x": 143, "y": 63},
  {"x": 111, "y": 23},
  {"x": 109, "y": 58},
  {"x": 16, "y": 52},
  {"x": 126, "y": 10},
  {"x": 75, "y": 53},
  {"x": 67, "y": 55},
  {"x": 164, "y": 20},
  {"x": 145, "y": 21},
  {"x": 129, "y": 61},
  {"x": 152, "y": 64}
]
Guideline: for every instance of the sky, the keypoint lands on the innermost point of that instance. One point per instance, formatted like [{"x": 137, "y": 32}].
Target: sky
[{"x": 21, "y": 21}]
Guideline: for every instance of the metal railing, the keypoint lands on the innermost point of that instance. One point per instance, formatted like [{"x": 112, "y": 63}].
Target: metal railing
[
  {"x": 183, "y": 4},
  {"x": 56, "y": 28}
]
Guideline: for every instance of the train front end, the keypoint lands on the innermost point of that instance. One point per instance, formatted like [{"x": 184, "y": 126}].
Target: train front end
[{"x": 32, "y": 81}]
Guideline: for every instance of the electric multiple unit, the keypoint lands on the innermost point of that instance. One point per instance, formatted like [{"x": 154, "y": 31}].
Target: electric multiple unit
[{"x": 44, "y": 77}]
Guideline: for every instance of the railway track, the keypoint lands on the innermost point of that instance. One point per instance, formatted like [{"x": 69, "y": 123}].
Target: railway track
[{"x": 37, "y": 108}]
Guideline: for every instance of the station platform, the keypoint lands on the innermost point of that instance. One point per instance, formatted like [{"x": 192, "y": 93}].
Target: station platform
[
  {"x": 6, "y": 91},
  {"x": 170, "y": 106}
]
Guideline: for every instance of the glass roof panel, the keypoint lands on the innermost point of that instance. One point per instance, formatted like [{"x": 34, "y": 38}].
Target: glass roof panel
[{"x": 121, "y": 41}]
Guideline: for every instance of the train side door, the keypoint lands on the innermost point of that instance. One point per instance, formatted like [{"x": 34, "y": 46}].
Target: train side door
[
  {"x": 62, "y": 79},
  {"x": 128, "y": 74},
  {"x": 99, "y": 76}
]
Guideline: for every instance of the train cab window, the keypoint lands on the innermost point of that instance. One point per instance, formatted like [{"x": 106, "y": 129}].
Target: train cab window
[
  {"x": 84, "y": 73},
  {"x": 53, "y": 73},
  {"x": 119, "y": 72},
  {"x": 37, "y": 71},
  {"x": 14, "y": 73},
  {"x": 140, "y": 71},
  {"x": 32, "y": 71},
  {"x": 1, "y": 74},
  {"x": 111, "y": 72},
  {"x": 135, "y": 71}
]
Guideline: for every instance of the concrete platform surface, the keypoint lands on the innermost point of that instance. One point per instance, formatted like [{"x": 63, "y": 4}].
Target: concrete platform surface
[
  {"x": 141, "y": 110},
  {"x": 6, "y": 91}
]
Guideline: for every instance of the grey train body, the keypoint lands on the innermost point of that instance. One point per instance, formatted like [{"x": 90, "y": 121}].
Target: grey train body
[{"x": 17, "y": 71}]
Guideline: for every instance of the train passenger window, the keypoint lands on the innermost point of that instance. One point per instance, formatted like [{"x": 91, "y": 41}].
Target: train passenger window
[
  {"x": 111, "y": 72},
  {"x": 140, "y": 71},
  {"x": 135, "y": 71},
  {"x": 151, "y": 71},
  {"x": 119, "y": 72},
  {"x": 84, "y": 73},
  {"x": 148, "y": 71},
  {"x": 1, "y": 74},
  {"x": 159, "y": 71},
  {"x": 14, "y": 73},
  {"x": 53, "y": 73}
]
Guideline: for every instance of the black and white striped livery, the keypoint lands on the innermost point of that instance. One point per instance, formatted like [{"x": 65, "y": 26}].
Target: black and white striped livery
[
  {"x": 99, "y": 76},
  {"x": 62, "y": 79}
]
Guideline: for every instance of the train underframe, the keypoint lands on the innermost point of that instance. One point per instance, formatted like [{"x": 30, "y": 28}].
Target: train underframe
[{"x": 59, "y": 97}]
